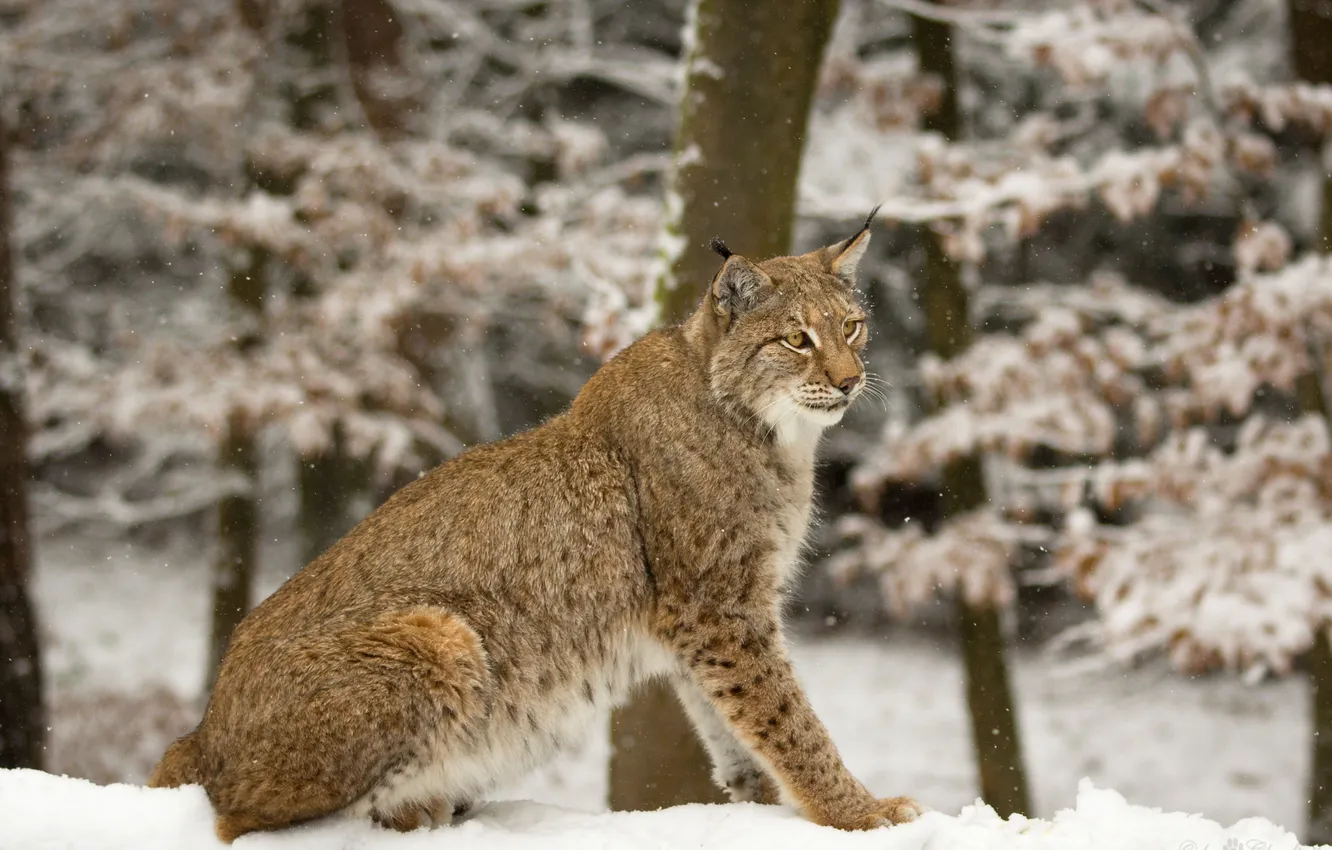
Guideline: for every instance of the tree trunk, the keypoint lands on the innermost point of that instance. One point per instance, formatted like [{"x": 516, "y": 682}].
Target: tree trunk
[
  {"x": 994, "y": 728},
  {"x": 1323, "y": 242},
  {"x": 1003, "y": 780},
  {"x": 749, "y": 80},
  {"x": 1320, "y": 778},
  {"x": 327, "y": 483},
  {"x": 238, "y": 543},
  {"x": 656, "y": 759},
  {"x": 1310, "y": 29},
  {"x": 373, "y": 38},
  {"x": 1310, "y": 35},
  {"x": 22, "y": 713},
  {"x": 1309, "y": 391},
  {"x": 237, "y": 516}
]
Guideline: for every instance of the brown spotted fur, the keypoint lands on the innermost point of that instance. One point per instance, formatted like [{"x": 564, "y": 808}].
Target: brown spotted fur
[{"x": 475, "y": 623}]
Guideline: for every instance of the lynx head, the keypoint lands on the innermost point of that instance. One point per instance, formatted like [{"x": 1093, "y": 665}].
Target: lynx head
[{"x": 787, "y": 335}]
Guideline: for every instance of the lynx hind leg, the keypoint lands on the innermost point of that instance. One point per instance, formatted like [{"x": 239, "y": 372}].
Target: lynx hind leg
[
  {"x": 374, "y": 688},
  {"x": 454, "y": 675},
  {"x": 440, "y": 653},
  {"x": 406, "y": 817}
]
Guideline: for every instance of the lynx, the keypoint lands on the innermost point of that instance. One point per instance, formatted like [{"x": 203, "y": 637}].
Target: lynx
[{"x": 478, "y": 621}]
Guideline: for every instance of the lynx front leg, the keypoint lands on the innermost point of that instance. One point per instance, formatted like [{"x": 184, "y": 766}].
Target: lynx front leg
[
  {"x": 739, "y": 662},
  {"x": 734, "y": 767}
]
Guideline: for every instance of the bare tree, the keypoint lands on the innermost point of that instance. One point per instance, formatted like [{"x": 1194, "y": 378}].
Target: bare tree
[
  {"x": 750, "y": 77},
  {"x": 22, "y": 716}
]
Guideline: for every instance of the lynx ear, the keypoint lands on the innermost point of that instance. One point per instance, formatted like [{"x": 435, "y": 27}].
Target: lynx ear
[
  {"x": 842, "y": 259},
  {"x": 739, "y": 286}
]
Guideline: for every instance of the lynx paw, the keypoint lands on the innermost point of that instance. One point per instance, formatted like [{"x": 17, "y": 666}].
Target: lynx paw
[
  {"x": 885, "y": 812},
  {"x": 752, "y": 786},
  {"x": 409, "y": 817},
  {"x": 894, "y": 810}
]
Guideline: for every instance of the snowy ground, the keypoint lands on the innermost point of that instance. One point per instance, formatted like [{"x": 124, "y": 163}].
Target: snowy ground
[
  {"x": 125, "y": 634},
  {"x": 39, "y": 811}
]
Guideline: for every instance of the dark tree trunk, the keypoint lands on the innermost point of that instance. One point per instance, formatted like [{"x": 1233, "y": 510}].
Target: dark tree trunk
[
  {"x": 1311, "y": 58},
  {"x": 1312, "y": 399},
  {"x": 1310, "y": 29},
  {"x": 373, "y": 37},
  {"x": 237, "y": 516},
  {"x": 994, "y": 728},
  {"x": 748, "y": 86},
  {"x": 1320, "y": 778},
  {"x": 328, "y": 482},
  {"x": 656, "y": 759},
  {"x": 22, "y": 713},
  {"x": 1003, "y": 780},
  {"x": 237, "y": 543}
]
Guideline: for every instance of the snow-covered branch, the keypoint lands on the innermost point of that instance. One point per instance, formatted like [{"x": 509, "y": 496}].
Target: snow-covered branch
[
  {"x": 1231, "y": 563},
  {"x": 971, "y": 557}
]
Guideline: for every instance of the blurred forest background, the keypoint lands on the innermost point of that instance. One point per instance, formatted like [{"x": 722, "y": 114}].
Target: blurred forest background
[{"x": 264, "y": 261}]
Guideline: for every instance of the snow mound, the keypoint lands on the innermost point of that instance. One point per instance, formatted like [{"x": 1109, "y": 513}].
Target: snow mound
[{"x": 39, "y": 811}]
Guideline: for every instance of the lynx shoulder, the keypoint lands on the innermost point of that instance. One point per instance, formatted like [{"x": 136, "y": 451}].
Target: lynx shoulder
[{"x": 475, "y": 623}]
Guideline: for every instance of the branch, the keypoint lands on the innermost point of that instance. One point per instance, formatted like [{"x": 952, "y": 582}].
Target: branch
[
  {"x": 966, "y": 18},
  {"x": 110, "y": 507},
  {"x": 1194, "y": 50}
]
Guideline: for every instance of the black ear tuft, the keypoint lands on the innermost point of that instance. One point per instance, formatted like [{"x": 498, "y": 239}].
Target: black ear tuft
[
  {"x": 720, "y": 247},
  {"x": 868, "y": 220},
  {"x": 843, "y": 258}
]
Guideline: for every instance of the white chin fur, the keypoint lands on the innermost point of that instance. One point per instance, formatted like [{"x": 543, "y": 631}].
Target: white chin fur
[
  {"x": 823, "y": 418},
  {"x": 798, "y": 426}
]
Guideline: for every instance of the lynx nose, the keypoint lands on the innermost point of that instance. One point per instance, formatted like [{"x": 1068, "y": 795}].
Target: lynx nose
[{"x": 846, "y": 385}]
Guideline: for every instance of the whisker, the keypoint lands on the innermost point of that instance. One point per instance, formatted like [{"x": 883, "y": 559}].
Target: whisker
[
  {"x": 873, "y": 388},
  {"x": 880, "y": 402},
  {"x": 876, "y": 380},
  {"x": 876, "y": 393}
]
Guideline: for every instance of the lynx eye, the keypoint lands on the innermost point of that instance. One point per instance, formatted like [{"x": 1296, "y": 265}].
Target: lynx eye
[
  {"x": 797, "y": 340},
  {"x": 851, "y": 328}
]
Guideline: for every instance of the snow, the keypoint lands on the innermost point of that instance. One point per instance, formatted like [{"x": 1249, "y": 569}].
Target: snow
[
  {"x": 40, "y": 811},
  {"x": 126, "y": 624}
]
